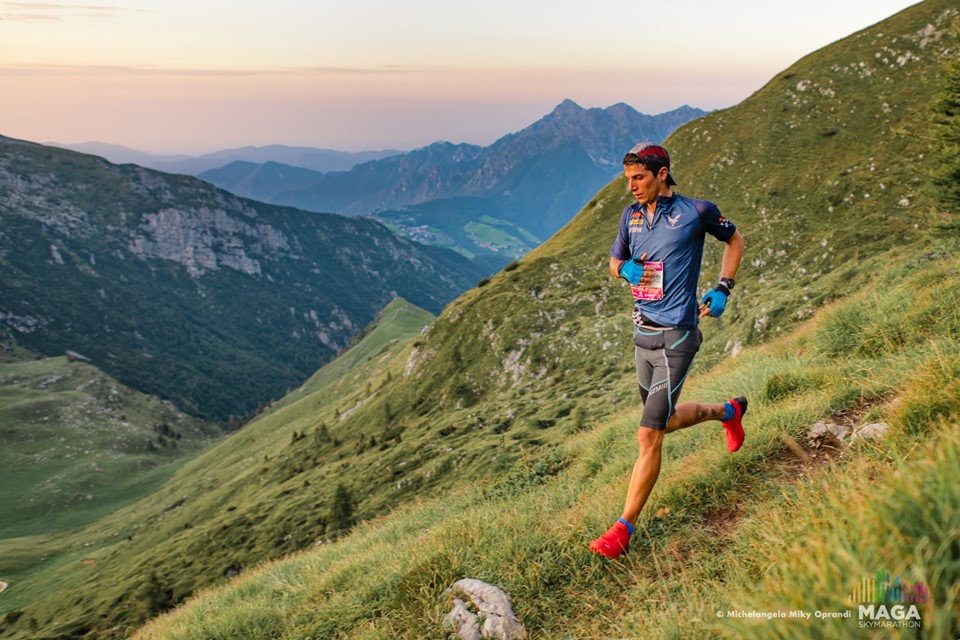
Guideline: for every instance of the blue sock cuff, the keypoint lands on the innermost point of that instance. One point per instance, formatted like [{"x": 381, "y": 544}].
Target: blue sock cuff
[
  {"x": 728, "y": 411},
  {"x": 627, "y": 525}
]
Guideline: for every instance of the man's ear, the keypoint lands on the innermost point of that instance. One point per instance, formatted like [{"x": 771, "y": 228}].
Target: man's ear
[{"x": 662, "y": 174}]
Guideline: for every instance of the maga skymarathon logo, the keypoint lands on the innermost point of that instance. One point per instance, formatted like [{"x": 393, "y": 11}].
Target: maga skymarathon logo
[
  {"x": 886, "y": 603},
  {"x": 882, "y": 602}
]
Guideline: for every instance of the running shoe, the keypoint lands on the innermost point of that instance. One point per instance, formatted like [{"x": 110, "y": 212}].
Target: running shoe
[
  {"x": 614, "y": 542},
  {"x": 734, "y": 426}
]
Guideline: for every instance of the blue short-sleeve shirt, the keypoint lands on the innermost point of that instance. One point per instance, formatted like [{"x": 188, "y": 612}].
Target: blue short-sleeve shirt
[{"x": 676, "y": 239}]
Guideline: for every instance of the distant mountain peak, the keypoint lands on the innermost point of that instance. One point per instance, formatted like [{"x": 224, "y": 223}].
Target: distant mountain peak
[
  {"x": 567, "y": 109},
  {"x": 588, "y": 142}
]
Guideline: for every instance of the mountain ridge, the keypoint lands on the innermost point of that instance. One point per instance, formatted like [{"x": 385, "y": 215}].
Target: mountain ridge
[
  {"x": 314, "y": 158},
  {"x": 144, "y": 271},
  {"x": 259, "y": 181},
  {"x": 529, "y": 181},
  {"x": 419, "y": 172}
]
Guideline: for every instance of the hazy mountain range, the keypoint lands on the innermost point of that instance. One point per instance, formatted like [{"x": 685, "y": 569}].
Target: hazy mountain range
[
  {"x": 504, "y": 198},
  {"x": 306, "y": 157}
]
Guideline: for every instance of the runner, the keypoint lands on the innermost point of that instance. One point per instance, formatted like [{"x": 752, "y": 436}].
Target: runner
[{"x": 658, "y": 250}]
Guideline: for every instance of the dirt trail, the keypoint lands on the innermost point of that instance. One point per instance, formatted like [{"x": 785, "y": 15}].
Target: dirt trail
[{"x": 3, "y": 585}]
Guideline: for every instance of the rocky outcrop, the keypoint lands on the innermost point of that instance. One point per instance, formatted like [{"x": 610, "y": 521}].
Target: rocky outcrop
[
  {"x": 483, "y": 611},
  {"x": 206, "y": 239},
  {"x": 843, "y": 434}
]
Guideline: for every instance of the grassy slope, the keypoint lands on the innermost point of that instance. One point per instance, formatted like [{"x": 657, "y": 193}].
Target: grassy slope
[
  {"x": 398, "y": 320},
  {"x": 758, "y": 530},
  {"x": 805, "y": 195},
  {"x": 252, "y": 469},
  {"x": 77, "y": 445},
  {"x": 464, "y": 224},
  {"x": 514, "y": 369},
  {"x": 829, "y": 164}
]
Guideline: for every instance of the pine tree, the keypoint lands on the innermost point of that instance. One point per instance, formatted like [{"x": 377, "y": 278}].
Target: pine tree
[
  {"x": 322, "y": 434},
  {"x": 156, "y": 599},
  {"x": 341, "y": 511},
  {"x": 946, "y": 117}
]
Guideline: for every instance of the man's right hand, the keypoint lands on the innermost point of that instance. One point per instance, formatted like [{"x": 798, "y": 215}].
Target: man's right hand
[{"x": 634, "y": 271}]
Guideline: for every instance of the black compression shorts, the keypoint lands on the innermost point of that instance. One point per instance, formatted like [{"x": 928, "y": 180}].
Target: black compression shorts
[{"x": 663, "y": 361}]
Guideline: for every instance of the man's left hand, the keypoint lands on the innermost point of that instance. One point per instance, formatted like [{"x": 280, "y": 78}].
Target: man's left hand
[{"x": 714, "y": 303}]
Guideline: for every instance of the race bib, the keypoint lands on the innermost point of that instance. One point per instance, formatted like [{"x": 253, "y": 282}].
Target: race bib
[{"x": 654, "y": 290}]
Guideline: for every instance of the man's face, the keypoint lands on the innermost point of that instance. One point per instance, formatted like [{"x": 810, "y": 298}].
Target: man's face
[{"x": 642, "y": 182}]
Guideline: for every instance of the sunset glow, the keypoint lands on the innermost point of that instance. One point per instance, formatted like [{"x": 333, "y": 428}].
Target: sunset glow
[{"x": 179, "y": 76}]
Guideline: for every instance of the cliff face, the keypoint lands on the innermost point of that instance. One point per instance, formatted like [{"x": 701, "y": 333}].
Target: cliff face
[
  {"x": 188, "y": 292},
  {"x": 206, "y": 239}
]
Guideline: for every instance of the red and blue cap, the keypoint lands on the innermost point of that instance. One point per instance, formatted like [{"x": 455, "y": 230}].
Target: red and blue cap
[{"x": 652, "y": 156}]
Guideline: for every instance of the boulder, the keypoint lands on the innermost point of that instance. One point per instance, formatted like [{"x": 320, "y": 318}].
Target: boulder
[{"x": 483, "y": 611}]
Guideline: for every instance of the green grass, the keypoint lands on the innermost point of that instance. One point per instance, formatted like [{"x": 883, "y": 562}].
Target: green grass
[
  {"x": 398, "y": 320},
  {"x": 523, "y": 233},
  {"x": 464, "y": 225},
  {"x": 490, "y": 236},
  {"x": 227, "y": 495},
  {"x": 758, "y": 530},
  {"x": 78, "y": 445}
]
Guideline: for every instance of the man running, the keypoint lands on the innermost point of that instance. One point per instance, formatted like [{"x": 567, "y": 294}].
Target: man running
[{"x": 658, "y": 250}]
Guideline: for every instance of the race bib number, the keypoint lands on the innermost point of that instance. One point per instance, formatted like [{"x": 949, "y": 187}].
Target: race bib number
[{"x": 654, "y": 290}]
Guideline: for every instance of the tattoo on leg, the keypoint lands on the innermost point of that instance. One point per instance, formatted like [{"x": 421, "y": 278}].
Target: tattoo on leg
[{"x": 705, "y": 413}]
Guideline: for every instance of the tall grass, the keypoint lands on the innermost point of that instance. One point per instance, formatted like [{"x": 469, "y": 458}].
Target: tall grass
[{"x": 757, "y": 531}]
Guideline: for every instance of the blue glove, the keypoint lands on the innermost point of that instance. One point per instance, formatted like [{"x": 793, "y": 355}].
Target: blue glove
[
  {"x": 632, "y": 271},
  {"x": 716, "y": 300}
]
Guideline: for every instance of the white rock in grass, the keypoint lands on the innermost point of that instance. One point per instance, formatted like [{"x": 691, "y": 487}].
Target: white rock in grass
[
  {"x": 463, "y": 621},
  {"x": 872, "y": 431},
  {"x": 818, "y": 429},
  {"x": 493, "y": 609}
]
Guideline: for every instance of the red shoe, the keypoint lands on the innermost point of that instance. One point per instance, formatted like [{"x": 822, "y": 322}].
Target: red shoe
[
  {"x": 734, "y": 426},
  {"x": 614, "y": 542}
]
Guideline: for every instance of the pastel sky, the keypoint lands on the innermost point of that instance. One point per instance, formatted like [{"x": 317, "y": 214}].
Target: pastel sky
[{"x": 198, "y": 75}]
